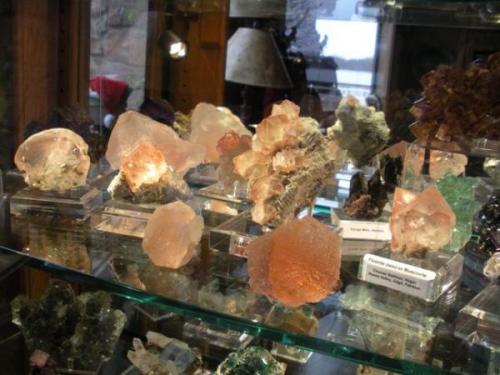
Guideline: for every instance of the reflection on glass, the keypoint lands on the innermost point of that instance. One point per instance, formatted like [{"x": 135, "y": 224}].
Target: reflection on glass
[{"x": 353, "y": 45}]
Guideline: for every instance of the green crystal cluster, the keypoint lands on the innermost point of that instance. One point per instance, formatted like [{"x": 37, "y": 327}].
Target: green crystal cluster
[
  {"x": 78, "y": 332},
  {"x": 251, "y": 361},
  {"x": 360, "y": 130},
  {"x": 459, "y": 193}
]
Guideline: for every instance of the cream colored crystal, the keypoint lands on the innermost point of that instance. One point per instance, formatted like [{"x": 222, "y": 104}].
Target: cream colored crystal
[
  {"x": 54, "y": 159},
  {"x": 172, "y": 234},
  {"x": 133, "y": 129},
  {"x": 209, "y": 124}
]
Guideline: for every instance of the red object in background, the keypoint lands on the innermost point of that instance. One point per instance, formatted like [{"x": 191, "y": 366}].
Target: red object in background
[{"x": 110, "y": 91}]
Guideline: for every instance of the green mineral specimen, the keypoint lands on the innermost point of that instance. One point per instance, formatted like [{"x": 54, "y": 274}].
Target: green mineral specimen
[
  {"x": 78, "y": 332},
  {"x": 360, "y": 130},
  {"x": 251, "y": 361},
  {"x": 459, "y": 193}
]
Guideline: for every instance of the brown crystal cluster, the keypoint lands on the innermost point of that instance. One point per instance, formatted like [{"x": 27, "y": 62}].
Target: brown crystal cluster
[
  {"x": 366, "y": 198},
  {"x": 288, "y": 162},
  {"x": 296, "y": 263},
  {"x": 460, "y": 103},
  {"x": 420, "y": 221}
]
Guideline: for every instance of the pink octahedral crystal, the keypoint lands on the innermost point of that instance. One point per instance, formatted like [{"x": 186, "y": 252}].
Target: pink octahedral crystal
[
  {"x": 54, "y": 159},
  {"x": 296, "y": 263},
  {"x": 209, "y": 124},
  {"x": 172, "y": 234},
  {"x": 133, "y": 129},
  {"x": 420, "y": 221}
]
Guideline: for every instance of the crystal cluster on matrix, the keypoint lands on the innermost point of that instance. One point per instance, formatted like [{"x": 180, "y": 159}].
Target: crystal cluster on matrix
[
  {"x": 172, "y": 234},
  {"x": 420, "y": 221},
  {"x": 55, "y": 159},
  {"x": 133, "y": 129},
  {"x": 287, "y": 164},
  {"x": 152, "y": 160},
  {"x": 360, "y": 130},
  {"x": 459, "y": 104},
  {"x": 296, "y": 263}
]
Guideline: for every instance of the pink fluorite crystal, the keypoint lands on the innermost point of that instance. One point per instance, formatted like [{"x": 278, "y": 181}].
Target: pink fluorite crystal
[
  {"x": 420, "y": 221},
  {"x": 296, "y": 263},
  {"x": 441, "y": 163},
  {"x": 133, "y": 129},
  {"x": 172, "y": 234},
  {"x": 287, "y": 164},
  {"x": 209, "y": 124}
]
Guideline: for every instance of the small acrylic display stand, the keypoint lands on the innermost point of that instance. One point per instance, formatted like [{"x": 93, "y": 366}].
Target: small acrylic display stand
[
  {"x": 479, "y": 321},
  {"x": 77, "y": 203},
  {"x": 237, "y": 194},
  {"x": 278, "y": 317},
  {"x": 130, "y": 219},
  {"x": 234, "y": 235},
  {"x": 219, "y": 337},
  {"x": 202, "y": 175},
  {"x": 426, "y": 277},
  {"x": 123, "y": 218}
]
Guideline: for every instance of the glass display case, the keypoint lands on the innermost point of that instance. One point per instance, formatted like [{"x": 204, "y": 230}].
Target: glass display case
[{"x": 249, "y": 187}]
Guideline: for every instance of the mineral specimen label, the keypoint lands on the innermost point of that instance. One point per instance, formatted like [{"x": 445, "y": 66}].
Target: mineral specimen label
[
  {"x": 399, "y": 276},
  {"x": 365, "y": 230}
]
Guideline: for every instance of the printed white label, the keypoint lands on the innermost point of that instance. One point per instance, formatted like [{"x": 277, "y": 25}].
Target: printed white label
[
  {"x": 365, "y": 230},
  {"x": 399, "y": 276}
]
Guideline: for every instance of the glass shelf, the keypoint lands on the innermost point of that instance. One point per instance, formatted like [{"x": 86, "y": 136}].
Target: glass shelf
[{"x": 213, "y": 288}]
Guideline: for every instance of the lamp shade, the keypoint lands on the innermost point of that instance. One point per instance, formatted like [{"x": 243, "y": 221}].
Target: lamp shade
[{"x": 254, "y": 59}]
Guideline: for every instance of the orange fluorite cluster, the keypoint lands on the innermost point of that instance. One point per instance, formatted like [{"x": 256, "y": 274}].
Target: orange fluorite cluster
[
  {"x": 287, "y": 164},
  {"x": 420, "y": 221},
  {"x": 296, "y": 263}
]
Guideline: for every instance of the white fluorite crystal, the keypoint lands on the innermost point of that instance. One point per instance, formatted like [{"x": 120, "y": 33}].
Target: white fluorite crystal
[{"x": 54, "y": 159}]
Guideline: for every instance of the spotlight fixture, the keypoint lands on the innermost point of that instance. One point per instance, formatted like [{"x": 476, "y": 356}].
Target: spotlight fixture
[{"x": 172, "y": 45}]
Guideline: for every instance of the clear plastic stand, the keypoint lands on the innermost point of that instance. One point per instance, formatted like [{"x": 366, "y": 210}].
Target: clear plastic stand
[
  {"x": 76, "y": 203},
  {"x": 479, "y": 321},
  {"x": 426, "y": 277}
]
